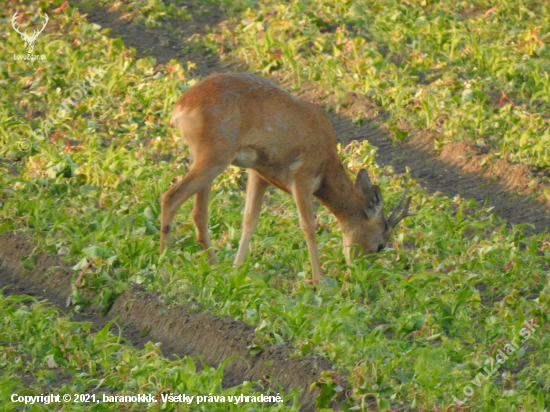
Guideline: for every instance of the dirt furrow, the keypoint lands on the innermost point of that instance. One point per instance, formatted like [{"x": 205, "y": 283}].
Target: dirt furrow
[{"x": 184, "y": 330}]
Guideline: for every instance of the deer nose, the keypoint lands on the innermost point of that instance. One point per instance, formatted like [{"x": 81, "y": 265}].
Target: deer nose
[{"x": 380, "y": 247}]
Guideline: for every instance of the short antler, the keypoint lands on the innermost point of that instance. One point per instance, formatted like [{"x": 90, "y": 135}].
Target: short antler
[{"x": 393, "y": 220}]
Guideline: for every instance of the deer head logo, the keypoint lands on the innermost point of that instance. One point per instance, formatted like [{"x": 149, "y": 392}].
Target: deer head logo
[{"x": 29, "y": 40}]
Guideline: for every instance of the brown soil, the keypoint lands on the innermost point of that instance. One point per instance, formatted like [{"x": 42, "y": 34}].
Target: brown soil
[
  {"x": 171, "y": 41},
  {"x": 183, "y": 330}
]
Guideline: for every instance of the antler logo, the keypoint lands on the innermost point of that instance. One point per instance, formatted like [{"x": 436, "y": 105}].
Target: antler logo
[{"x": 29, "y": 40}]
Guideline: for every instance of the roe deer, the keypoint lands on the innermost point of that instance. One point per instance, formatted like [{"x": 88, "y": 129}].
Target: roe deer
[{"x": 248, "y": 121}]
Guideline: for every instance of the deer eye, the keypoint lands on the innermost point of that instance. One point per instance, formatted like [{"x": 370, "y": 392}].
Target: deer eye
[{"x": 380, "y": 247}]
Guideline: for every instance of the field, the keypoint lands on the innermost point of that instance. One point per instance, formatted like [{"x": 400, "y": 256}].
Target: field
[{"x": 449, "y": 99}]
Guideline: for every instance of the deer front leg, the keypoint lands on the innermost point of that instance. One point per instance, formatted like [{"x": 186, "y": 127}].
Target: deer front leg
[
  {"x": 304, "y": 201},
  {"x": 255, "y": 189}
]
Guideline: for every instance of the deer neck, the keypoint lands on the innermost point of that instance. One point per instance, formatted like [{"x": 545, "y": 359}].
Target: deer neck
[{"x": 337, "y": 192}]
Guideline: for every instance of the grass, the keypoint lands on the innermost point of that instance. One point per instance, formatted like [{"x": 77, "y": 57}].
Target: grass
[
  {"x": 43, "y": 352},
  {"x": 411, "y": 326}
]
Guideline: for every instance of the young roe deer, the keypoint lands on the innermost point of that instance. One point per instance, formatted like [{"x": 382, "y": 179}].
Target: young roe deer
[{"x": 248, "y": 121}]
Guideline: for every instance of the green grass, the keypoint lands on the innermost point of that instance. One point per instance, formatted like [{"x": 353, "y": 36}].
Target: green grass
[
  {"x": 414, "y": 328},
  {"x": 64, "y": 357}
]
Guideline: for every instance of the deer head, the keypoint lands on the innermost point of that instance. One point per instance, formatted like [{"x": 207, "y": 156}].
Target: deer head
[
  {"x": 29, "y": 40},
  {"x": 370, "y": 230}
]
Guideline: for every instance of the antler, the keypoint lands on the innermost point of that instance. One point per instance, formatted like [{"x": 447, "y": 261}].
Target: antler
[
  {"x": 16, "y": 28},
  {"x": 393, "y": 220}
]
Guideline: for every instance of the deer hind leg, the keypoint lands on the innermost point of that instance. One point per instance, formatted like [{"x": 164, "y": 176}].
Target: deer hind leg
[
  {"x": 200, "y": 216},
  {"x": 199, "y": 178},
  {"x": 303, "y": 196},
  {"x": 255, "y": 189}
]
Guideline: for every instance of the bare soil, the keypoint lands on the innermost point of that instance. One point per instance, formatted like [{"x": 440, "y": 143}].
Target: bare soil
[{"x": 184, "y": 330}]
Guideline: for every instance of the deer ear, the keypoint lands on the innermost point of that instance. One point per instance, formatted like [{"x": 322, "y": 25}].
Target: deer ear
[
  {"x": 363, "y": 182},
  {"x": 375, "y": 202}
]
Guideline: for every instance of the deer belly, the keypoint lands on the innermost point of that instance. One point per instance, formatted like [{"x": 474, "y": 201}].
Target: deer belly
[{"x": 246, "y": 157}]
